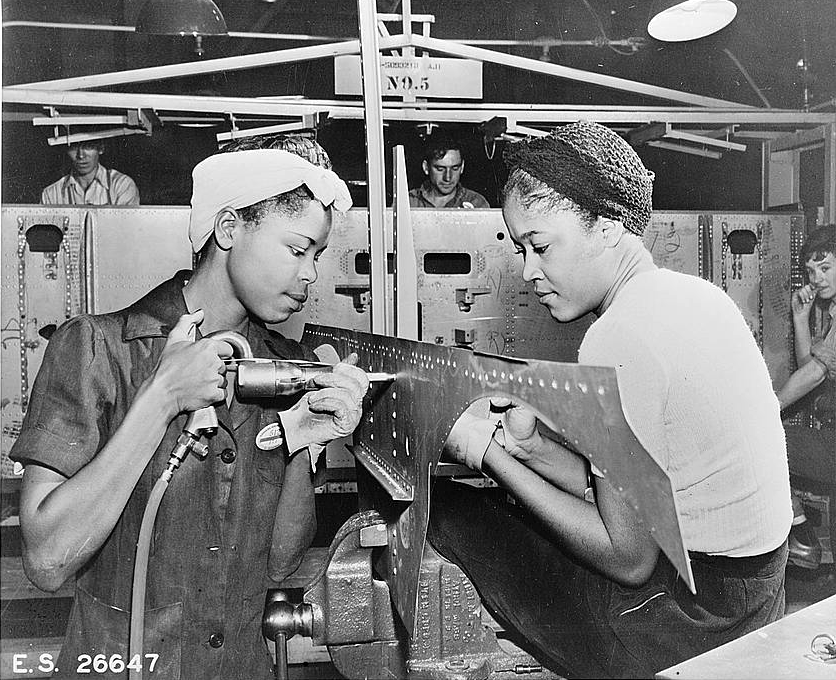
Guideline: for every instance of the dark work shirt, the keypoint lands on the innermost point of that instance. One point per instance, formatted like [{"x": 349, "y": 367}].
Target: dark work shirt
[
  {"x": 462, "y": 198},
  {"x": 225, "y": 526}
]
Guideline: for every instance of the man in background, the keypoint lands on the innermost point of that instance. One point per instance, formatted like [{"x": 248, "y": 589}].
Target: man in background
[
  {"x": 89, "y": 182},
  {"x": 443, "y": 166}
]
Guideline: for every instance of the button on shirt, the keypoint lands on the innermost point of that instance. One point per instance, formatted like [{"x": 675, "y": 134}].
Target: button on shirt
[
  {"x": 109, "y": 187},
  {"x": 226, "y": 530}
]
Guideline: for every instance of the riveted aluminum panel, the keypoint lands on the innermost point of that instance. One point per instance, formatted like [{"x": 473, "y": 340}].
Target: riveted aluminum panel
[
  {"x": 28, "y": 314},
  {"x": 402, "y": 433},
  {"x": 134, "y": 250}
]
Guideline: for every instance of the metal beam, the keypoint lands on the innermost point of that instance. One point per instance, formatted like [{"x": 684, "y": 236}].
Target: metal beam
[
  {"x": 647, "y": 133},
  {"x": 830, "y": 173},
  {"x": 81, "y": 120},
  {"x": 112, "y": 28},
  {"x": 167, "y": 102},
  {"x": 805, "y": 139},
  {"x": 406, "y": 268},
  {"x": 77, "y": 137},
  {"x": 686, "y": 149},
  {"x": 587, "y": 77},
  {"x": 702, "y": 139},
  {"x": 396, "y": 111},
  {"x": 373, "y": 115},
  {"x": 193, "y": 68},
  {"x": 305, "y": 123}
]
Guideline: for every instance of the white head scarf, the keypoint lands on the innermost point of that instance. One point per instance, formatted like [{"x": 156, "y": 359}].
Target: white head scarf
[{"x": 243, "y": 178}]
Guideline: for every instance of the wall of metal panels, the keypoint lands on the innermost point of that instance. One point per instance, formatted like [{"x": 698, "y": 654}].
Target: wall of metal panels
[{"x": 470, "y": 288}]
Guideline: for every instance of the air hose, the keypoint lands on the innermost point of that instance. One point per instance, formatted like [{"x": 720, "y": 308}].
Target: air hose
[{"x": 199, "y": 422}]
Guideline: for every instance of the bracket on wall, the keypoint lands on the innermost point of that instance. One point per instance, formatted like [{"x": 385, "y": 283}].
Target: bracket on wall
[
  {"x": 133, "y": 122},
  {"x": 406, "y": 423},
  {"x": 306, "y": 123},
  {"x": 663, "y": 136}
]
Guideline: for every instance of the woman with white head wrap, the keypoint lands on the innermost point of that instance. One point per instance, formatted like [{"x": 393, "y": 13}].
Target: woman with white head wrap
[{"x": 111, "y": 401}]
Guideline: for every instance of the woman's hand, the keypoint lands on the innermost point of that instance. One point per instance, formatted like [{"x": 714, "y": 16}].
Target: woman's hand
[
  {"x": 802, "y": 301},
  {"x": 519, "y": 430}
]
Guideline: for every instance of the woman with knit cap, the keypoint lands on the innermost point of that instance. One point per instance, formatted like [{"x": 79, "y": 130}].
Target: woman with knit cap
[{"x": 568, "y": 568}]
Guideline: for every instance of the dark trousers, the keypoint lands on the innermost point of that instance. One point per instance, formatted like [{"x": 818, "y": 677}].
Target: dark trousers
[
  {"x": 581, "y": 624},
  {"x": 811, "y": 453}
]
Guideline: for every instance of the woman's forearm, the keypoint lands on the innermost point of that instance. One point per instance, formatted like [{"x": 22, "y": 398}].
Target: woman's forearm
[
  {"x": 802, "y": 340},
  {"x": 618, "y": 546}
]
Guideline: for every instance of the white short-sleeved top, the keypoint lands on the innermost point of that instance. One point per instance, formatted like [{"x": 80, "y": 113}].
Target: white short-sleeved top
[{"x": 697, "y": 393}]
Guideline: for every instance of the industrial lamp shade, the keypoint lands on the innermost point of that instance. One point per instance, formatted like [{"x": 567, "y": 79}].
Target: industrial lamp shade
[
  {"x": 678, "y": 20},
  {"x": 181, "y": 17}
]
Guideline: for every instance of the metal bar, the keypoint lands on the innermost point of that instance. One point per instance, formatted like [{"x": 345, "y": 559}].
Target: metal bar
[
  {"x": 722, "y": 133},
  {"x": 165, "y": 102},
  {"x": 647, "y": 133},
  {"x": 406, "y": 26},
  {"x": 423, "y": 112},
  {"x": 81, "y": 120},
  {"x": 113, "y": 28},
  {"x": 406, "y": 268},
  {"x": 193, "y": 68},
  {"x": 589, "y": 77},
  {"x": 765, "y": 152},
  {"x": 303, "y": 124},
  {"x": 700, "y": 139},
  {"x": 823, "y": 116},
  {"x": 524, "y": 130},
  {"x": 686, "y": 149},
  {"x": 824, "y": 104},
  {"x": 830, "y": 173},
  {"x": 553, "y": 42},
  {"x": 303, "y": 37},
  {"x": 86, "y": 136},
  {"x": 798, "y": 140},
  {"x": 90, "y": 279},
  {"x": 417, "y": 18},
  {"x": 373, "y": 115},
  {"x": 634, "y": 116},
  {"x": 748, "y": 78}
]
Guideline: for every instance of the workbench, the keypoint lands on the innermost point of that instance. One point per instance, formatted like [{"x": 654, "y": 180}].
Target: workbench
[{"x": 779, "y": 650}]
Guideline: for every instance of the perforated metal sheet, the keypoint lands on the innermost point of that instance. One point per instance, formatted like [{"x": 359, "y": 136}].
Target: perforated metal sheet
[
  {"x": 763, "y": 297},
  {"x": 43, "y": 304},
  {"x": 400, "y": 439},
  {"x": 131, "y": 251}
]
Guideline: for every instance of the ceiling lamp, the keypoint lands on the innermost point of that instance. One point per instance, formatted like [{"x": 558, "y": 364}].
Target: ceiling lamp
[
  {"x": 181, "y": 17},
  {"x": 677, "y": 21}
]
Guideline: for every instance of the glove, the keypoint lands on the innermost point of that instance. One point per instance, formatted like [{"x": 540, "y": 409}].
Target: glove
[
  {"x": 328, "y": 413},
  {"x": 468, "y": 441}
]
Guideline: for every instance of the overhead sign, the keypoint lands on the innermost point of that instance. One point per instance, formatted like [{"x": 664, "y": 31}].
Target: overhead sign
[{"x": 413, "y": 76}]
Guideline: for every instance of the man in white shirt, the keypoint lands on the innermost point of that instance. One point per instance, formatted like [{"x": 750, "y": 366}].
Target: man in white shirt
[{"x": 89, "y": 182}]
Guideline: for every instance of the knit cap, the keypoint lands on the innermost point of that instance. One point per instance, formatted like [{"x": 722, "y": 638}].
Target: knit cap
[{"x": 593, "y": 166}]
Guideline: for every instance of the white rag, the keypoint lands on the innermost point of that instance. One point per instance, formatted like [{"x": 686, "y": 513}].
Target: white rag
[{"x": 242, "y": 178}]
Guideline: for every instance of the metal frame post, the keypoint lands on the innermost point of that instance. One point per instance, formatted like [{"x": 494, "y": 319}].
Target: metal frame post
[
  {"x": 406, "y": 268},
  {"x": 373, "y": 115}
]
